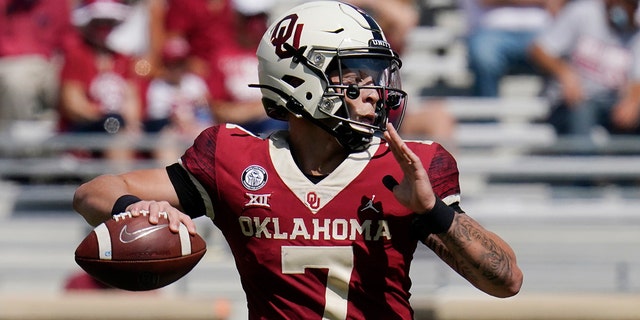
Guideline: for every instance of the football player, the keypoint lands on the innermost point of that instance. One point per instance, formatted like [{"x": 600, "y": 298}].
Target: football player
[{"x": 322, "y": 219}]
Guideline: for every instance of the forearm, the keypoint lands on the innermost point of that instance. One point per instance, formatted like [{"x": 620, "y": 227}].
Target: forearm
[
  {"x": 479, "y": 256},
  {"x": 132, "y": 111},
  {"x": 549, "y": 64},
  {"x": 75, "y": 106},
  {"x": 631, "y": 94},
  {"x": 626, "y": 112},
  {"x": 94, "y": 199}
]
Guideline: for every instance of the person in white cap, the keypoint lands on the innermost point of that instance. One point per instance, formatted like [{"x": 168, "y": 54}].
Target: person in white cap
[
  {"x": 98, "y": 89},
  {"x": 177, "y": 102},
  {"x": 224, "y": 39}
]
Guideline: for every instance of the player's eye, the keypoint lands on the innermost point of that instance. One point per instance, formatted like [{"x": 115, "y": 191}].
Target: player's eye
[
  {"x": 357, "y": 78},
  {"x": 365, "y": 80},
  {"x": 350, "y": 78}
]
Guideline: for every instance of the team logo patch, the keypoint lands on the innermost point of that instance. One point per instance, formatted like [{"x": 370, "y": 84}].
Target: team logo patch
[
  {"x": 258, "y": 200},
  {"x": 370, "y": 205},
  {"x": 254, "y": 177},
  {"x": 313, "y": 200}
]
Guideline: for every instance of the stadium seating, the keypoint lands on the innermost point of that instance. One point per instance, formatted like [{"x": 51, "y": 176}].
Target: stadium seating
[{"x": 571, "y": 218}]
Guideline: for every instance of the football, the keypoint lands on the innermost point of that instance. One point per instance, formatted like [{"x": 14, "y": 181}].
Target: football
[{"x": 129, "y": 253}]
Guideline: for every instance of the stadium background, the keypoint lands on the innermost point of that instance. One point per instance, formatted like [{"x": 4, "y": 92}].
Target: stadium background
[{"x": 573, "y": 221}]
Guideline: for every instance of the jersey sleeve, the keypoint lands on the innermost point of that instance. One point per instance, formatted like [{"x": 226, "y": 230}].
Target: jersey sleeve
[
  {"x": 200, "y": 162},
  {"x": 199, "y": 159},
  {"x": 444, "y": 176},
  {"x": 191, "y": 200}
]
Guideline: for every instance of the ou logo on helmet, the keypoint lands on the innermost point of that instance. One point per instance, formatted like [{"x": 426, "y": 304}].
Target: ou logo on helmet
[{"x": 283, "y": 31}]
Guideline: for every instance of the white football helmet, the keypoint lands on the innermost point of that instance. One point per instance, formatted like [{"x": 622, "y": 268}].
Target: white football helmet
[{"x": 304, "y": 45}]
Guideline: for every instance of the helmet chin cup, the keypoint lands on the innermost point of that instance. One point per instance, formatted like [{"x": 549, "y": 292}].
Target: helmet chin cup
[{"x": 352, "y": 139}]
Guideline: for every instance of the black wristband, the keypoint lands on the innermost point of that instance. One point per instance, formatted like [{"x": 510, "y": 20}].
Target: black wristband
[
  {"x": 123, "y": 202},
  {"x": 437, "y": 220}
]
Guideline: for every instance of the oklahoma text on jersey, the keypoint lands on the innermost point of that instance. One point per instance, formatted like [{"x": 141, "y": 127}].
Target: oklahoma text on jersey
[{"x": 315, "y": 229}]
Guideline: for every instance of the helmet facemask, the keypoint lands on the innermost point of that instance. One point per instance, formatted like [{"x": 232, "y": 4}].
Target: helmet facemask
[{"x": 352, "y": 74}]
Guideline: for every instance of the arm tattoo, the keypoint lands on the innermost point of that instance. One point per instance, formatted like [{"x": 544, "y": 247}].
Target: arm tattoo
[
  {"x": 459, "y": 265},
  {"x": 494, "y": 264}
]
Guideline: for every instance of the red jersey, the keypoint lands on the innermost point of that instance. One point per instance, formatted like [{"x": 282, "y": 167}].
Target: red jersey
[
  {"x": 107, "y": 87},
  {"x": 231, "y": 71},
  {"x": 339, "y": 249},
  {"x": 205, "y": 24},
  {"x": 28, "y": 27}
]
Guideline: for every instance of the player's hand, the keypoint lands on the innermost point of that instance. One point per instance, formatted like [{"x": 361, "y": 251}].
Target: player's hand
[
  {"x": 414, "y": 191},
  {"x": 625, "y": 115},
  {"x": 155, "y": 208},
  {"x": 572, "y": 91}
]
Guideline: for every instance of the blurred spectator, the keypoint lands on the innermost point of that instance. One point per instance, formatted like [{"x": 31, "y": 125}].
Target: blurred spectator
[
  {"x": 396, "y": 18},
  {"x": 97, "y": 90},
  {"x": 499, "y": 33},
  {"x": 205, "y": 24},
  {"x": 592, "y": 53},
  {"x": 177, "y": 102},
  {"x": 426, "y": 118},
  {"x": 430, "y": 119},
  {"x": 31, "y": 37},
  {"x": 141, "y": 36},
  {"x": 224, "y": 36},
  {"x": 82, "y": 281}
]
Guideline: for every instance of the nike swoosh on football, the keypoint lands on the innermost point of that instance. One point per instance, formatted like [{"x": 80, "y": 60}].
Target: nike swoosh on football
[{"x": 128, "y": 237}]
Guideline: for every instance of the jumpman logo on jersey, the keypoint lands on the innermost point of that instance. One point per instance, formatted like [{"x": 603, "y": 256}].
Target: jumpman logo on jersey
[{"x": 370, "y": 205}]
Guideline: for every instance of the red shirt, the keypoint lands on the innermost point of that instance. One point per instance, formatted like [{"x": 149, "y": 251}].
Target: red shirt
[
  {"x": 340, "y": 248},
  {"x": 205, "y": 24},
  {"x": 232, "y": 72},
  {"x": 36, "y": 30},
  {"x": 106, "y": 87}
]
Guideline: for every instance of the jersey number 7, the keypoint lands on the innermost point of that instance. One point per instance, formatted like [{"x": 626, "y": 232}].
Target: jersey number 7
[{"x": 339, "y": 262}]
